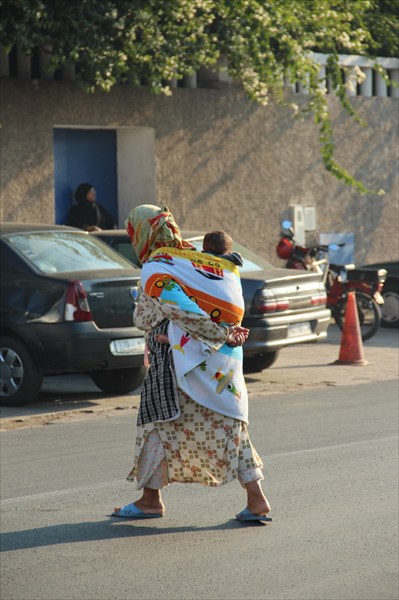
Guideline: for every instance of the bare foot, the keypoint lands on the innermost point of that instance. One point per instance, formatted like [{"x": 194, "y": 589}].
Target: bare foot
[
  {"x": 257, "y": 502},
  {"x": 150, "y": 507},
  {"x": 259, "y": 507}
]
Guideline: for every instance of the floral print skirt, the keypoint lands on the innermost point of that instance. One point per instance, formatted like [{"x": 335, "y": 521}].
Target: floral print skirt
[{"x": 200, "y": 446}]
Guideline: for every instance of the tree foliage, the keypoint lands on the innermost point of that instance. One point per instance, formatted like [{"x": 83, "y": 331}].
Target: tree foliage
[
  {"x": 382, "y": 22},
  {"x": 264, "y": 43}
]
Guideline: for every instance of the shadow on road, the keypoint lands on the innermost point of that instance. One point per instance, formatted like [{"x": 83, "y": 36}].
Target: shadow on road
[{"x": 87, "y": 531}]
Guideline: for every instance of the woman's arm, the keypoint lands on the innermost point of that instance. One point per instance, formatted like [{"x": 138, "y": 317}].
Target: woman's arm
[
  {"x": 149, "y": 312},
  {"x": 185, "y": 312}
]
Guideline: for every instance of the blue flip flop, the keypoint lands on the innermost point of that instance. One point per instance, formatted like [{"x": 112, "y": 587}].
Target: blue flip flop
[
  {"x": 130, "y": 511},
  {"x": 247, "y": 515}
]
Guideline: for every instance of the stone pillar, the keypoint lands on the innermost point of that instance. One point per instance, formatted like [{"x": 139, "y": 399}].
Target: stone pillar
[
  {"x": 351, "y": 83},
  {"x": 190, "y": 81},
  {"x": 322, "y": 77},
  {"x": 288, "y": 85},
  {"x": 44, "y": 59},
  {"x": 366, "y": 88},
  {"x": 381, "y": 85},
  {"x": 172, "y": 83},
  {"x": 68, "y": 73},
  {"x": 23, "y": 63},
  {"x": 394, "y": 74}
]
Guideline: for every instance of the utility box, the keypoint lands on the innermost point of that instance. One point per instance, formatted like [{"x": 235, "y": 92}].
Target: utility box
[
  {"x": 297, "y": 218},
  {"x": 310, "y": 218}
]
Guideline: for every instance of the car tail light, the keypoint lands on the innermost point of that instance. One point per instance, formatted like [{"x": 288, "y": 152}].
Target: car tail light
[
  {"x": 265, "y": 301},
  {"x": 76, "y": 305},
  {"x": 319, "y": 299}
]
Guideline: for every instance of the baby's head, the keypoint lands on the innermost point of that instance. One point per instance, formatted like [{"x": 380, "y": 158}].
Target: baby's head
[{"x": 217, "y": 242}]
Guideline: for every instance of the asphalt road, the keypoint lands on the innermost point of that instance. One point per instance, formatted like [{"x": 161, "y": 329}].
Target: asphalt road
[{"x": 331, "y": 475}]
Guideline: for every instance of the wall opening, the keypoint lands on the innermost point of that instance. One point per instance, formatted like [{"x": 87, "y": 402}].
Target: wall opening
[{"x": 118, "y": 162}]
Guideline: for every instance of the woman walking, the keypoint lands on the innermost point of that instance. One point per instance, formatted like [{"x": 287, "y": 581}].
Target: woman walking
[{"x": 193, "y": 415}]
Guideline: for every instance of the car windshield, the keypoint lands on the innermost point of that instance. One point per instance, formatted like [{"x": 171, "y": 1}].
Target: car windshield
[
  {"x": 251, "y": 261},
  {"x": 65, "y": 251}
]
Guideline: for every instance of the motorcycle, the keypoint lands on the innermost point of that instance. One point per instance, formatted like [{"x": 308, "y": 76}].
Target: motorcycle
[{"x": 338, "y": 280}]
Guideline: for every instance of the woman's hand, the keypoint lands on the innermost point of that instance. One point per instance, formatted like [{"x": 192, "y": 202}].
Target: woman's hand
[
  {"x": 162, "y": 338},
  {"x": 237, "y": 335}
]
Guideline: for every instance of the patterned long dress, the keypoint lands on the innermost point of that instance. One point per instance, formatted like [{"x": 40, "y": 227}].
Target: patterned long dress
[{"x": 196, "y": 444}]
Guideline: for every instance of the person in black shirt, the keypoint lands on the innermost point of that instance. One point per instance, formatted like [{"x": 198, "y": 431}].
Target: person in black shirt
[{"x": 87, "y": 214}]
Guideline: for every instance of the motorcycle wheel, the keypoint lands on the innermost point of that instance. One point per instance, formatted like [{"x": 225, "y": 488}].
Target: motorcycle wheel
[
  {"x": 369, "y": 313},
  {"x": 119, "y": 381}
]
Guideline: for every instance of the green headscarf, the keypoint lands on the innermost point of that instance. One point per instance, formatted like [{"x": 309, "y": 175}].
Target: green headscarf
[{"x": 150, "y": 227}]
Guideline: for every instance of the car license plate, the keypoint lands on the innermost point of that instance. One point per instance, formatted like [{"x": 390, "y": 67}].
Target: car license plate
[
  {"x": 298, "y": 329},
  {"x": 127, "y": 347}
]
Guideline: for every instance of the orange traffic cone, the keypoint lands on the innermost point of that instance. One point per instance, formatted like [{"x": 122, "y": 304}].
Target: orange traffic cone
[{"x": 351, "y": 351}]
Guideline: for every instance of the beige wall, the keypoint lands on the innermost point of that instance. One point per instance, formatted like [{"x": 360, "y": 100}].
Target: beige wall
[
  {"x": 221, "y": 160},
  {"x": 136, "y": 168}
]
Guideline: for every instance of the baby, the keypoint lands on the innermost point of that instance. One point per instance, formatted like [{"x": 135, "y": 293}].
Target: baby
[{"x": 220, "y": 243}]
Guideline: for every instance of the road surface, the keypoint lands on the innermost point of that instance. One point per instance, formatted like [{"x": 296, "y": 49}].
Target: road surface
[{"x": 331, "y": 474}]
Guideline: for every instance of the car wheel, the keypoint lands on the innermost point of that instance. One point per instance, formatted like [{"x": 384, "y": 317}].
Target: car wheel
[
  {"x": 119, "y": 381},
  {"x": 20, "y": 381},
  {"x": 390, "y": 308},
  {"x": 254, "y": 364}
]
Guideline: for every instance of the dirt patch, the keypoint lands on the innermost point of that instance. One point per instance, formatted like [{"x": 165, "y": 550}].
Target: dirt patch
[{"x": 62, "y": 417}]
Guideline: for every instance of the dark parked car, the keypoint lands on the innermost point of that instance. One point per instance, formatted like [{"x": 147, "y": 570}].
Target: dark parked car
[
  {"x": 66, "y": 306},
  {"x": 282, "y": 306},
  {"x": 390, "y": 293}
]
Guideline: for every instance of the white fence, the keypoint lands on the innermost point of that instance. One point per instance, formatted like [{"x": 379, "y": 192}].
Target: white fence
[
  {"x": 16, "y": 64},
  {"x": 374, "y": 83},
  {"x": 380, "y": 76}
]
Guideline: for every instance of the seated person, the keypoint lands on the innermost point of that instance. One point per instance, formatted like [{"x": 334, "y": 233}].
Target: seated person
[{"x": 87, "y": 214}]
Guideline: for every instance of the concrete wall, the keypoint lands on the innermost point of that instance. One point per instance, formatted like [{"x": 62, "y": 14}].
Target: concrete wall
[{"x": 220, "y": 160}]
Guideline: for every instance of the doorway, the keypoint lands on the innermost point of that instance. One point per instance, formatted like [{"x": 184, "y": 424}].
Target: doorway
[
  {"x": 119, "y": 162},
  {"x": 84, "y": 155}
]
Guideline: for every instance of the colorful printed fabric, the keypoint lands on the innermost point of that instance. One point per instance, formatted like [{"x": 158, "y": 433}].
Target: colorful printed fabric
[
  {"x": 150, "y": 227},
  {"x": 201, "y": 446},
  {"x": 187, "y": 284},
  {"x": 149, "y": 314},
  {"x": 158, "y": 402}
]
